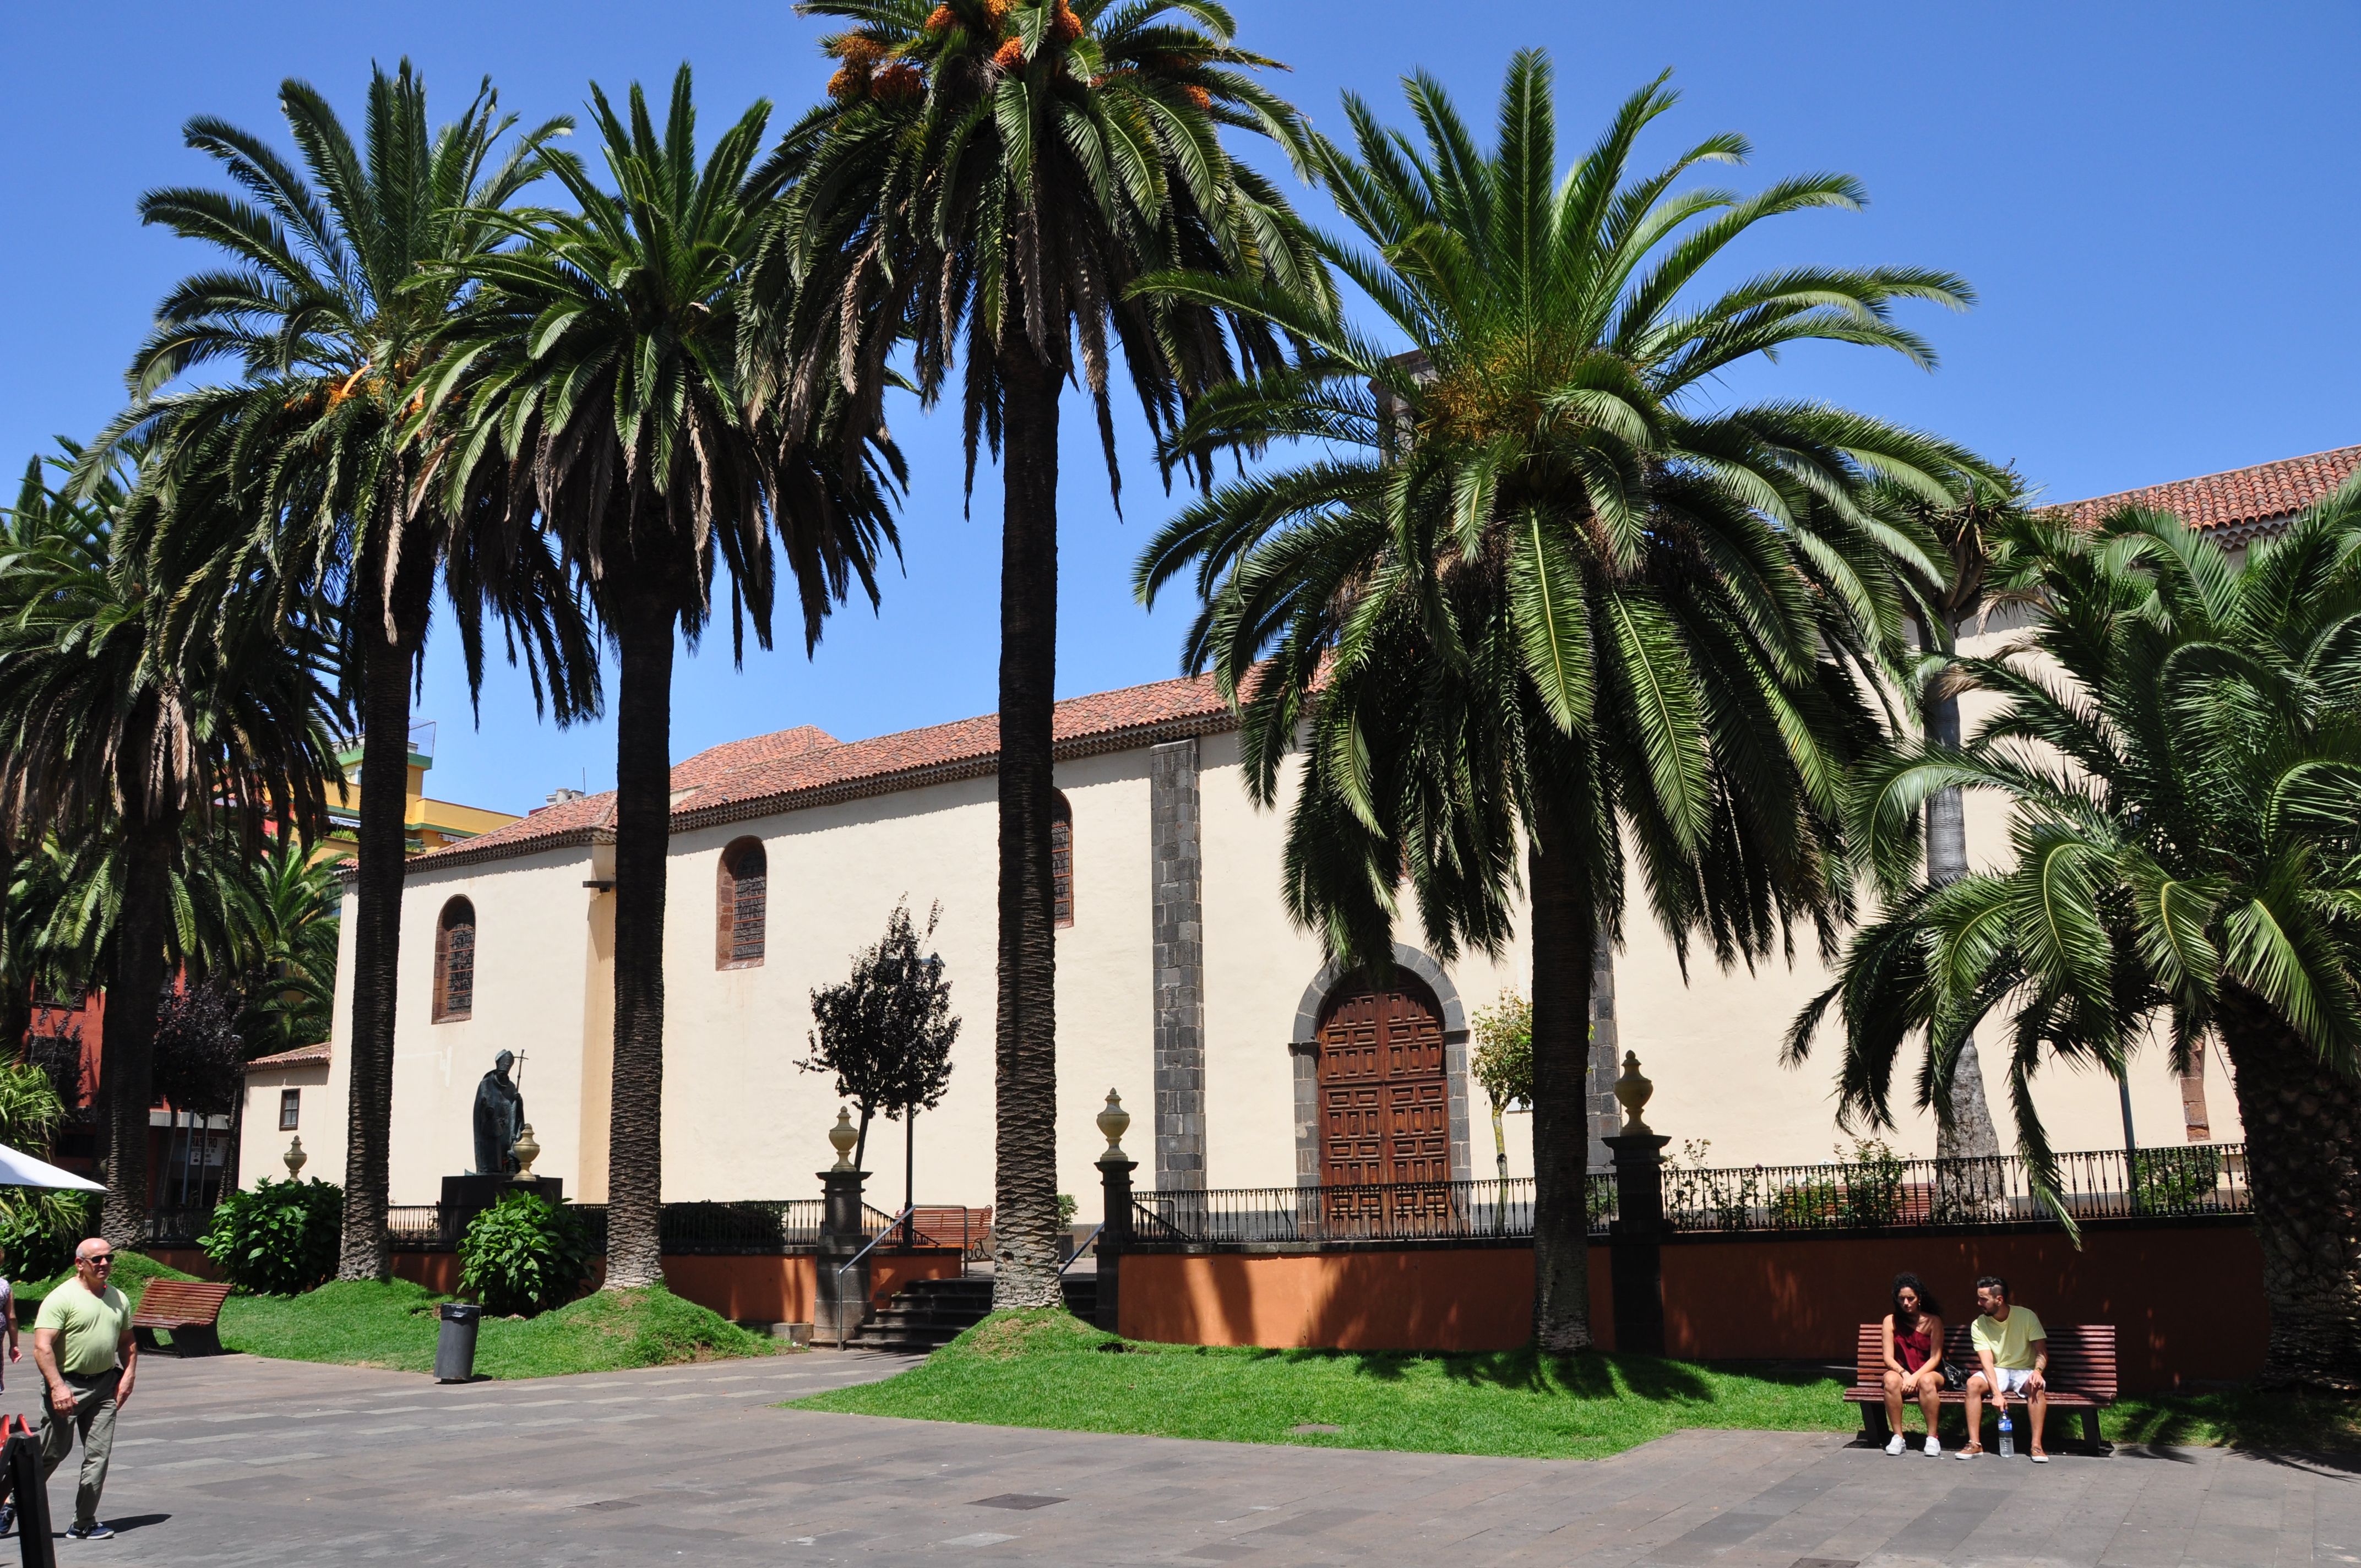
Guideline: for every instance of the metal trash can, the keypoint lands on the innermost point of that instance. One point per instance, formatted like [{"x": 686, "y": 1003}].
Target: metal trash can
[{"x": 455, "y": 1348}]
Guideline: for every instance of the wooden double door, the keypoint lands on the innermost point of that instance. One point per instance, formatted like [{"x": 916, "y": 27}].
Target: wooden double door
[{"x": 1384, "y": 1099}]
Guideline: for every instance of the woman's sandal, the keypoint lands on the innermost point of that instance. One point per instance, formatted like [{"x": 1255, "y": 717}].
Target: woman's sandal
[{"x": 2039, "y": 1457}]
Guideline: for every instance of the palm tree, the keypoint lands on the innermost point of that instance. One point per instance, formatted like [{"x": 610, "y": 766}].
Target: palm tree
[
  {"x": 993, "y": 178},
  {"x": 1533, "y": 596},
  {"x": 339, "y": 273},
  {"x": 281, "y": 910},
  {"x": 1968, "y": 527},
  {"x": 595, "y": 379},
  {"x": 2195, "y": 862},
  {"x": 128, "y": 699}
]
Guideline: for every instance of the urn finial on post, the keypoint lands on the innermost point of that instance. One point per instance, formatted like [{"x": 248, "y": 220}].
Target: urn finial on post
[
  {"x": 527, "y": 1149},
  {"x": 1114, "y": 1122},
  {"x": 1631, "y": 1092},
  {"x": 295, "y": 1157},
  {"x": 841, "y": 1137}
]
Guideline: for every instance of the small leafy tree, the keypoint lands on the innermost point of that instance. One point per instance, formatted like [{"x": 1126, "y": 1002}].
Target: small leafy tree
[
  {"x": 1503, "y": 1061},
  {"x": 199, "y": 1049},
  {"x": 886, "y": 1033},
  {"x": 278, "y": 1239},
  {"x": 523, "y": 1254}
]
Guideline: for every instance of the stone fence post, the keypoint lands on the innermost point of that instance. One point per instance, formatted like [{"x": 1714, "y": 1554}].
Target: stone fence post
[
  {"x": 1634, "y": 1237},
  {"x": 841, "y": 1293},
  {"x": 1114, "y": 1234}
]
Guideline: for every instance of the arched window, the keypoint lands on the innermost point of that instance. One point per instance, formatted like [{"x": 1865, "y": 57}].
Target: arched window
[
  {"x": 455, "y": 962},
  {"x": 1061, "y": 860},
  {"x": 741, "y": 897}
]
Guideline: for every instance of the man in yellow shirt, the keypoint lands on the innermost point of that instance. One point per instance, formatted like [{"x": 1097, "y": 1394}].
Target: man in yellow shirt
[
  {"x": 2012, "y": 1351},
  {"x": 83, "y": 1345}
]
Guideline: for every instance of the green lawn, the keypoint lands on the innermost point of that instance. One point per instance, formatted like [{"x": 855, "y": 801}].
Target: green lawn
[
  {"x": 394, "y": 1325},
  {"x": 1045, "y": 1369}
]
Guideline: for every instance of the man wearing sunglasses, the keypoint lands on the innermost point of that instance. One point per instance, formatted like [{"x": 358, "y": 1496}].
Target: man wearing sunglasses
[{"x": 84, "y": 1344}]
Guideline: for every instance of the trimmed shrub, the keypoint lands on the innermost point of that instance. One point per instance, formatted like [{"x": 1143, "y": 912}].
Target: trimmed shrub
[
  {"x": 523, "y": 1254},
  {"x": 278, "y": 1239}
]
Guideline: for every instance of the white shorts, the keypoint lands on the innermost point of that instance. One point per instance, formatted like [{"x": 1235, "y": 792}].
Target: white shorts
[{"x": 2011, "y": 1379}]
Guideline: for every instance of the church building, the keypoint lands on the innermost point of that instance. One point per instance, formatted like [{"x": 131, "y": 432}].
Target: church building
[{"x": 1181, "y": 982}]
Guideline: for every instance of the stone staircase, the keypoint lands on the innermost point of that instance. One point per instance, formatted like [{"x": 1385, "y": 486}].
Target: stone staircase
[{"x": 930, "y": 1312}]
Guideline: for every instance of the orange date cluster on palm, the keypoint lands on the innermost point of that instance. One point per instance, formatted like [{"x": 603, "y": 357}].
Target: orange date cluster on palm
[
  {"x": 1064, "y": 26},
  {"x": 859, "y": 56}
]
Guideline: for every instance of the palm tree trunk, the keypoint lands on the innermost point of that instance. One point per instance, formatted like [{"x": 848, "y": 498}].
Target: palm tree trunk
[
  {"x": 1025, "y": 1197},
  {"x": 644, "y": 622},
  {"x": 1563, "y": 928},
  {"x": 127, "y": 1050},
  {"x": 2303, "y": 1169},
  {"x": 365, "y": 1251},
  {"x": 1971, "y": 1135},
  {"x": 16, "y": 973}
]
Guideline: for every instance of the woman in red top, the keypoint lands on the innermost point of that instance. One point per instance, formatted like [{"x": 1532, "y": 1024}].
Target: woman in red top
[{"x": 1914, "y": 1360}]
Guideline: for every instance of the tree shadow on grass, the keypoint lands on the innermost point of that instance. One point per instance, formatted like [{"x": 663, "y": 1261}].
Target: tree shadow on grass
[
  {"x": 1594, "y": 1375},
  {"x": 2316, "y": 1433}
]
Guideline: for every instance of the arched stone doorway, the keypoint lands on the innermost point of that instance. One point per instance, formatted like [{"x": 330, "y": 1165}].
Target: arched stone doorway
[{"x": 1381, "y": 1077}]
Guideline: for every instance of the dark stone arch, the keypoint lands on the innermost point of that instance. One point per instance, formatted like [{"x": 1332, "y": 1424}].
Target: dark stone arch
[{"x": 1303, "y": 1046}]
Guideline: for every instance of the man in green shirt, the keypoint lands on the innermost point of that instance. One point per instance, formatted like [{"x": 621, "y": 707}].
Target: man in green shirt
[
  {"x": 84, "y": 1344},
  {"x": 2013, "y": 1353}
]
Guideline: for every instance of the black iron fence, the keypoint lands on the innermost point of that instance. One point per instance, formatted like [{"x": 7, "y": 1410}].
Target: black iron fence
[
  {"x": 1865, "y": 1195},
  {"x": 1405, "y": 1210},
  {"x": 1886, "y": 1192},
  {"x": 179, "y": 1225},
  {"x": 754, "y": 1228}
]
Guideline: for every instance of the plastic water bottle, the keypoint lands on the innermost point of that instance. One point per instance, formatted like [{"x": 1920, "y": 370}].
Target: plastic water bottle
[{"x": 2008, "y": 1436}]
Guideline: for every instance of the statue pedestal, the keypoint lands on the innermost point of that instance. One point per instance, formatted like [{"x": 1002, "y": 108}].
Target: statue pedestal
[{"x": 465, "y": 1197}]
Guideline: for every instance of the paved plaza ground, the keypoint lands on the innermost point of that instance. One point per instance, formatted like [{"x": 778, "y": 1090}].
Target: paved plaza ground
[{"x": 243, "y": 1461}]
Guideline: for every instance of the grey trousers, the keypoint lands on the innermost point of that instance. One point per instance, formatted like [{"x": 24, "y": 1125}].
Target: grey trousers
[{"x": 93, "y": 1418}]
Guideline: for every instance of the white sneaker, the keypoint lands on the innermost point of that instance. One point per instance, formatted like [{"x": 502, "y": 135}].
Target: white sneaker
[
  {"x": 1894, "y": 1445},
  {"x": 1934, "y": 1447}
]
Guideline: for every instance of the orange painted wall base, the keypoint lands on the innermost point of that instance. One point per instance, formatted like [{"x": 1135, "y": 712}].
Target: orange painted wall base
[
  {"x": 2187, "y": 1300},
  {"x": 1441, "y": 1300},
  {"x": 744, "y": 1289}
]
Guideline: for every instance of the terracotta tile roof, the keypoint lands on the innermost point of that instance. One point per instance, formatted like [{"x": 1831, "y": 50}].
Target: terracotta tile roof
[
  {"x": 802, "y": 767},
  {"x": 2241, "y": 502},
  {"x": 301, "y": 1055}
]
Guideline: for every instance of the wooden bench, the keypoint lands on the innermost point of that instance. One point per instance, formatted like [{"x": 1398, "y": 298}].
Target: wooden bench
[
  {"x": 190, "y": 1310},
  {"x": 949, "y": 1225},
  {"x": 2082, "y": 1374}
]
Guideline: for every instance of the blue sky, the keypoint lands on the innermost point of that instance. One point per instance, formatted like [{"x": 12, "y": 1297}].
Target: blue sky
[{"x": 2157, "y": 205}]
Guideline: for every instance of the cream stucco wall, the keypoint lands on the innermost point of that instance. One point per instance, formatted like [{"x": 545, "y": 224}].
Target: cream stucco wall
[{"x": 741, "y": 1120}]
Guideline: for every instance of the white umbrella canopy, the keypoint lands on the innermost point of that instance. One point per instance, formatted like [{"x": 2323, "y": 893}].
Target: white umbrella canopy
[{"x": 20, "y": 1169}]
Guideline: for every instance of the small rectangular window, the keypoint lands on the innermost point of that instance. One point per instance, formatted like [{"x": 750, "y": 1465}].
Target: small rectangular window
[{"x": 290, "y": 1101}]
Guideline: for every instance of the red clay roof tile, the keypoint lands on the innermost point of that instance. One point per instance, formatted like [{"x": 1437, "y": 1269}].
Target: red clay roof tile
[
  {"x": 2240, "y": 498},
  {"x": 301, "y": 1055},
  {"x": 805, "y": 766}
]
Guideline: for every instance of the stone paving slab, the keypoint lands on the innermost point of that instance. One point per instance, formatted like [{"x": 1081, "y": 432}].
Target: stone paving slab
[{"x": 236, "y": 1461}]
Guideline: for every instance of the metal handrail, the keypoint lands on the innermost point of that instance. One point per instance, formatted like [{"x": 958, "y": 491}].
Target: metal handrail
[
  {"x": 907, "y": 1210},
  {"x": 1078, "y": 1250}
]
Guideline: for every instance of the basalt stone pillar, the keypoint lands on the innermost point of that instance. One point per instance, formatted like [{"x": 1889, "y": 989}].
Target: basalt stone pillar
[
  {"x": 1633, "y": 1241},
  {"x": 840, "y": 1294},
  {"x": 1115, "y": 1175},
  {"x": 1175, "y": 875}
]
